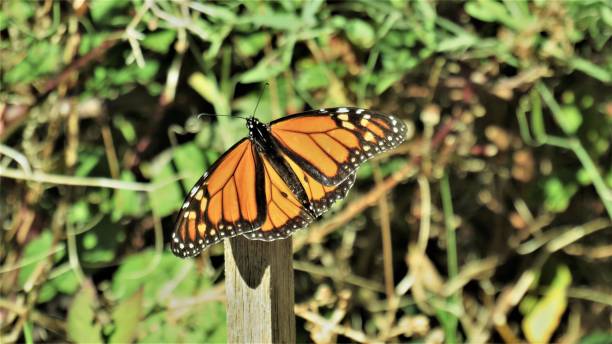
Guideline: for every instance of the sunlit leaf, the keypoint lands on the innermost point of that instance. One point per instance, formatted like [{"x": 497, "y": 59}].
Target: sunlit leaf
[
  {"x": 126, "y": 127},
  {"x": 209, "y": 89},
  {"x": 36, "y": 251},
  {"x": 127, "y": 202},
  {"x": 591, "y": 69},
  {"x": 252, "y": 44},
  {"x": 82, "y": 325},
  {"x": 597, "y": 337},
  {"x": 190, "y": 162},
  {"x": 126, "y": 317},
  {"x": 66, "y": 283},
  {"x": 540, "y": 324},
  {"x": 312, "y": 76},
  {"x": 42, "y": 58},
  {"x": 557, "y": 194},
  {"x": 160, "y": 41},
  {"x": 274, "y": 20},
  {"x": 168, "y": 195},
  {"x": 101, "y": 10},
  {"x": 360, "y": 33},
  {"x": 79, "y": 213},
  {"x": 270, "y": 66},
  {"x": 571, "y": 120},
  {"x": 154, "y": 272}
]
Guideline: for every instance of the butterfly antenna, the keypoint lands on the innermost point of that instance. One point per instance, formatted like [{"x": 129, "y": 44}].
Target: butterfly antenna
[
  {"x": 259, "y": 98},
  {"x": 215, "y": 115}
]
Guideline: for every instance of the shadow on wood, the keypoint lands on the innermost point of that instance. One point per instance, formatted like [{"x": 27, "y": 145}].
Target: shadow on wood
[{"x": 259, "y": 286}]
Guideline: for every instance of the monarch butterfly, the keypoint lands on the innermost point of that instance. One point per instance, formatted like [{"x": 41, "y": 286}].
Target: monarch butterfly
[{"x": 282, "y": 176}]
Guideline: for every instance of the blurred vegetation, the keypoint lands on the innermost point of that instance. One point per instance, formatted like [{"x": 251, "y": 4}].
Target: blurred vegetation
[{"x": 500, "y": 233}]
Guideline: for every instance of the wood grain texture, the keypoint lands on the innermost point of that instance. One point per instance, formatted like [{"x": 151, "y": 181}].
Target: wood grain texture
[{"x": 259, "y": 287}]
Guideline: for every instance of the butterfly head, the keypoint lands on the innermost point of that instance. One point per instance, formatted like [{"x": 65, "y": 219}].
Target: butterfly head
[
  {"x": 258, "y": 132},
  {"x": 252, "y": 122}
]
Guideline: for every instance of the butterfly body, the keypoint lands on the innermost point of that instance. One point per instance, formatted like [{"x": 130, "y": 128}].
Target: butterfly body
[
  {"x": 282, "y": 176},
  {"x": 259, "y": 134}
]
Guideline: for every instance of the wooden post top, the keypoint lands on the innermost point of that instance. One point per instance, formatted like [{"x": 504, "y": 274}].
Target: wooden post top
[{"x": 260, "y": 294}]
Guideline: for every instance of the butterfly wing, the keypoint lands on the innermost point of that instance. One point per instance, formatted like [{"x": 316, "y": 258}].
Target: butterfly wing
[
  {"x": 225, "y": 202},
  {"x": 244, "y": 194},
  {"x": 320, "y": 196},
  {"x": 329, "y": 144},
  {"x": 284, "y": 212}
]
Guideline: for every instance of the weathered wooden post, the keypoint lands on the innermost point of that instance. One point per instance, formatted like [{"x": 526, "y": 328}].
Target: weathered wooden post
[{"x": 259, "y": 288}]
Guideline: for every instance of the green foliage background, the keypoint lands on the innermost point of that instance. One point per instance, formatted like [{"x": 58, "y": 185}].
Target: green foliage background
[{"x": 500, "y": 233}]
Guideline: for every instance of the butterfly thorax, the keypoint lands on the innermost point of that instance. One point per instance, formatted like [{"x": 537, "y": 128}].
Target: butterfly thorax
[{"x": 259, "y": 133}]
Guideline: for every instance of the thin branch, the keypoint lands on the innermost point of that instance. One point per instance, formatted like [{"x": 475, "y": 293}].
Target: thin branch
[
  {"x": 19, "y": 158},
  {"x": 319, "y": 320},
  {"x": 80, "y": 63},
  {"x": 336, "y": 275},
  {"x": 101, "y": 182},
  {"x": 425, "y": 223}
]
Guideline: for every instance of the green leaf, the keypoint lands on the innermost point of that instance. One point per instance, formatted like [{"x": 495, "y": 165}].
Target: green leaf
[
  {"x": 160, "y": 41},
  {"x": 212, "y": 11},
  {"x": 66, "y": 283},
  {"x": 102, "y": 10},
  {"x": 126, "y": 317},
  {"x": 82, "y": 325},
  {"x": 540, "y": 324},
  {"x": 427, "y": 13},
  {"x": 88, "y": 160},
  {"x": 156, "y": 272},
  {"x": 312, "y": 76},
  {"x": 309, "y": 12},
  {"x": 91, "y": 40},
  {"x": 35, "y": 251},
  {"x": 79, "y": 213},
  {"x": 387, "y": 80},
  {"x": 4, "y": 21},
  {"x": 252, "y": 44},
  {"x": 127, "y": 202},
  {"x": 43, "y": 58},
  {"x": 168, "y": 197},
  {"x": 456, "y": 43},
  {"x": 275, "y": 21},
  {"x": 90, "y": 240},
  {"x": 571, "y": 119},
  {"x": 270, "y": 66},
  {"x": 365, "y": 171},
  {"x": 20, "y": 11},
  {"x": 494, "y": 11},
  {"x": 591, "y": 69},
  {"x": 209, "y": 89},
  {"x": 147, "y": 73},
  {"x": 558, "y": 195},
  {"x": 583, "y": 177},
  {"x": 47, "y": 293},
  {"x": 100, "y": 243},
  {"x": 597, "y": 337},
  {"x": 360, "y": 33},
  {"x": 475, "y": 10},
  {"x": 126, "y": 127},
  {"x": 190, "y": 162}
]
